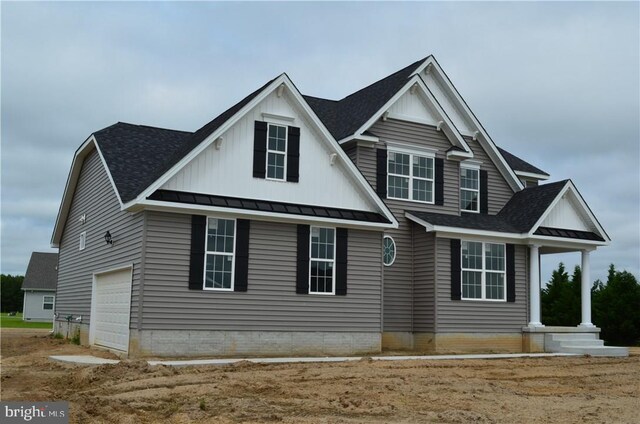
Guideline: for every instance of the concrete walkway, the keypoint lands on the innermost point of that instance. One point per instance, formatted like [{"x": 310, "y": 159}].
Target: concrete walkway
[{"x": 92, "y": 360}]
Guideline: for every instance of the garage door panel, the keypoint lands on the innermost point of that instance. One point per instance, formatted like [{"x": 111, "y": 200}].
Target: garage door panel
[{"x": 112, "y": 309}]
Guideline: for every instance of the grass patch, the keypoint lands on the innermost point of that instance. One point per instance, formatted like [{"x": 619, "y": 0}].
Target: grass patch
[{"x": 16, "y": 322}]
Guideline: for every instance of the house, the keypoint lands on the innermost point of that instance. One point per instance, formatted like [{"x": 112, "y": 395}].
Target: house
[
  {"x": 292, "y": 224},
  {"x": 39, "y": 287}
]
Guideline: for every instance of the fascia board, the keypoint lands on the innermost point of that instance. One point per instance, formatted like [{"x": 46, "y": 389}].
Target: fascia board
[
  {"x": 205, "y": 143},
  {"x": 155, "y": 205},
  {"x": 69, "y": 188},
  {"x": 515, "y": 181},
  {"x": 532, "y": 175}
]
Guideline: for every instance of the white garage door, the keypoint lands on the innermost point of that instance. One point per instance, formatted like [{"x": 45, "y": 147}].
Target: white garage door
[{"x": 110, "y": 315}]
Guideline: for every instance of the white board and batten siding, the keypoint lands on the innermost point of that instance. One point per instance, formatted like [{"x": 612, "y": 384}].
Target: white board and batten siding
[
  {"x": 567, "y": 214},
  {"x": 457, "y": 116},
  {"x": 229, "y": 170},
  {"x": 413, "y": 107},
  {"x": 271, "y": 302},
  {"x": 95, "y": 199}
]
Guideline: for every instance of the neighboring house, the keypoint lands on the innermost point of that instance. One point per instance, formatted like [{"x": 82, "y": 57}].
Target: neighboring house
[
  {"x": 39, "y": 287},
  {"x": 292, "y": 224}
]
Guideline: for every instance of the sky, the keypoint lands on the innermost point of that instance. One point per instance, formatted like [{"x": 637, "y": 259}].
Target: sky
[{"x": 557, "y": 84}]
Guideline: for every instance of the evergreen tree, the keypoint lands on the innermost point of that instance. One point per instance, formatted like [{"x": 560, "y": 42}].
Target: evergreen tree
[
  {"x": 616, "y": 308},
  {"x": 558, "y": 299},
  {"x": 10, "y": 294}
]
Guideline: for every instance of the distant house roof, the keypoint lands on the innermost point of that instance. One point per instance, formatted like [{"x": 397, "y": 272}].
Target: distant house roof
[{"x": 42, "y": 272}]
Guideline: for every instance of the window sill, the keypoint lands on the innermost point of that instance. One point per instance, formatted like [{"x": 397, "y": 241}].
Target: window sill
[
  {"x": 411, "y": 200},
  {"x": 484, "y": 300},
  {"x": 216, "y": 289}
]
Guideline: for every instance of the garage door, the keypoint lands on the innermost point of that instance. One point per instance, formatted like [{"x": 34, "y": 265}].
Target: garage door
[{"x": 110, "y": 317}]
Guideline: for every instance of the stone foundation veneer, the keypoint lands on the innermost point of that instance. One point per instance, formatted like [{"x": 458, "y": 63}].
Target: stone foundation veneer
[{"x": 201, "y": 343}]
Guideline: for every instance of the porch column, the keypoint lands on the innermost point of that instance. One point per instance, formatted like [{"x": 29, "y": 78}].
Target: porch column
[
  {"x": 534, "y": 286},
  {"x": 586, "y": 290}
]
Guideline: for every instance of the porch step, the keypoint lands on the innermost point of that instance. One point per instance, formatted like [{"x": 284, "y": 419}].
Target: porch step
[{"x": 582, "y": 344}]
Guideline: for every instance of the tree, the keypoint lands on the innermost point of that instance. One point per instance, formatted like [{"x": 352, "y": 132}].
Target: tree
[
  {"x": 10, "y": 294},
  {"x": 560, "y": 299},
  {"x": 616, "y": 308}
]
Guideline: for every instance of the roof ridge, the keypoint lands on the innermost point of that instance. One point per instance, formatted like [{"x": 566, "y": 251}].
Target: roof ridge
[{"x": 414, "y": 64}]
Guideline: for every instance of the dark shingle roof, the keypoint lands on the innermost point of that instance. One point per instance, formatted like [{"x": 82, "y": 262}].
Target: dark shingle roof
[
  {"x": 135, "y": 153},
  {"x": 518, "y": 164},
  {"x": 42, "y": 272},
  {"x": 344, "y": 117},
  {"x": 472, "y": 221},
  {"x": 526, "y": 207},
  {"x": 519, "y": 215},
  {"x": 267, "y": 206}
]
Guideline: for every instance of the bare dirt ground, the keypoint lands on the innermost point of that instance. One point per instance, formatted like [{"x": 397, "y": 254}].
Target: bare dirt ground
[{"x": 541, "y": 390}]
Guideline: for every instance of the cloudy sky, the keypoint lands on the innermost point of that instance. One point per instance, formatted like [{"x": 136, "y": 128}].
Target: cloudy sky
[{"x": 554, "y": 83}]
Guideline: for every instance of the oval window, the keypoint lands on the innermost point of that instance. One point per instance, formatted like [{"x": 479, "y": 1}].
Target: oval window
[{"x": 388, "y": 251}]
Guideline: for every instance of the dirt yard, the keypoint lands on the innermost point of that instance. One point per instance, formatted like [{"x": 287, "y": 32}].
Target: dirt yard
[{"x": 562, "y": 390}]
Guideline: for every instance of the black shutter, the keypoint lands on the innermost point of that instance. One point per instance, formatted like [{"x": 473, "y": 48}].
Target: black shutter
[
  {"x": 196, "y": 261},
  {"x": 439, "y": 200},
  {"x": 259, "y": 149},
  {"x": 342, "y": 243},
  {"x": 484, "y": 189},
  {"x": 241, "y": 272},
  {"x": 511, "y": 273},
  {"x": 381, "y": 173},
  {"x": 302, "y": 274},
  {"x": 293, "y": 154},
  {"x": 456, "y": 286}
]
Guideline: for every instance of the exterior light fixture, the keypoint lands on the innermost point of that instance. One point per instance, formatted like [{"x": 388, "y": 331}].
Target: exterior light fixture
[{"x": 107, "y": 238}]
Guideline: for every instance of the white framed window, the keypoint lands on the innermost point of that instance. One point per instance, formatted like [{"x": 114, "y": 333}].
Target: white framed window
[
  {"x": 483, "y": 271},
  {"x": 220, "y": 246},
  {"x": 47, "y": 302},
  {"x": 322, "y": 253},
  {"x": 83, "y": 240},
  {"x": 276, "y": 152},
  {"x": 410, "y": 177},
  {"x": 469, "y": 189},
  {"x": 388, "y": 251}
]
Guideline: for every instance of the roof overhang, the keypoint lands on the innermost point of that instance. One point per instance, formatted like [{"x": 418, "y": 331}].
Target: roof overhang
[
  {"x": 532, "y": 175},
  {"x": 163, "y": 206},
  {"x": 89, "y": 145}
]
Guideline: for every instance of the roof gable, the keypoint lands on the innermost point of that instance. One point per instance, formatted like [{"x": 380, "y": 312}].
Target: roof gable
[{"x": 42, "y": 272}]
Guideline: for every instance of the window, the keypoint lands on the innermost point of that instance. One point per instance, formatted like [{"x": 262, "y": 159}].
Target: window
[
  {"x": 219, "y": 248},
  {"x": 410, "y": 177},
  {"x": 469, "y": 189},
  {"x": 321, "y": 263},
  {"x": 83, "y": 240},
  {"x": 276, "y": 152},
  {"x": 47, "y": 303},
  {"x": 388, "y": 251},
  {"x": 483, "y": 271}
]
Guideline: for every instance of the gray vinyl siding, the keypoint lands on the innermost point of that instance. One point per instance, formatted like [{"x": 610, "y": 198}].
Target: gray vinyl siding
[
  {"x": 95, "y": 197},
  {"x": 479, "y": 316},
  {"x": 424, "y": 300},
  {"x": 271, "y": 302},
  {"x": 398, "y": 278},
  {"x": 499, "y": 190}
]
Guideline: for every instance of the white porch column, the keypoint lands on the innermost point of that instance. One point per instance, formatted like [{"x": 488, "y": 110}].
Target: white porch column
[
  {"x": 586, "y": 290},
  {"x": 534, "y": 286}
]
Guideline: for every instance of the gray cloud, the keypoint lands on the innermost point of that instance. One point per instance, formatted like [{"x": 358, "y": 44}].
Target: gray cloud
[{"x": 557, "y": 84}]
